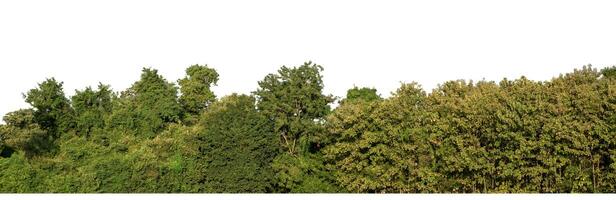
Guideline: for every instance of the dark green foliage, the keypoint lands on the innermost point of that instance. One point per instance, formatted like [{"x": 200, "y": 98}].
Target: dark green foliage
[
  {"x": 511, "y": 136},
  {"x": 195, "y": 88},
  {"x": 363, "y": 94},
  {"x": 146, "y": 106},
  {"x": 293, "y": 100},
  {"x": 303, "y": 174},
  {"x": 52, "y": 109},
  {"x": 238, "y": 146},
  {"x": 154, "y": 94},
  {"x": 91, "y": 106}
]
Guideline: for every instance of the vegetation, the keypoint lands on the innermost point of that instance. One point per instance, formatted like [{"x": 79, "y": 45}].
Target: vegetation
[{"x": 462, "y": 137}]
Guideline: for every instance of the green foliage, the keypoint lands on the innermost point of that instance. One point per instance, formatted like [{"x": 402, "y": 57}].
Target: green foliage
[
  {"x": 381, "y": 146},
  {"x": 363, "y": 94},
  {"x": 238, "y": 146},
  {"x": 293, "y": 100},
  {"x": 91, "y": 107},
  {"x": 22, "y": 133},
  {"x": 175, "y": 152},
  {"x": 52, "y": 109},
  {"x": 154, "y": 94},
  {"x": 146, "y": 106},
  {"x": 4, "y": 151},
  {"x": 303, "y": 174},
  {"x": 17, "y": 175},
  {"x": 195, "y": 88},
  {"x": 609, "y": 72},
  {"x": 510, "y": 136}
]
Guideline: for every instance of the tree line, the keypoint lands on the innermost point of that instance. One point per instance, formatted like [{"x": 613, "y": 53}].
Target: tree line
[{"x": 168, "y": 137}]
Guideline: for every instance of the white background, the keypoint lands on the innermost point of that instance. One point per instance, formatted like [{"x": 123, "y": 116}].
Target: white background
[{"x": 365, "y": 43}]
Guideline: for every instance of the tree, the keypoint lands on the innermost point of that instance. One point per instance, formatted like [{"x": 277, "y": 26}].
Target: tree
[
  {"x": 293, "y": 100},
  {"x": 91, "y": 106},
  {"x": 155, "y": 94},
  {"x": 380, "y": 146},
  {"x": 147, "y": 105},
  {"x": 22, "y": 133},
  {"x": 351, "y": 136},
  {"x": 238, "y": 146},
  {"x": 195, "y": 88},
  {"x": 580, "y": 129},
  {"x": 52, "y": 109},
  {"x": 455, "y": 128},
  {"x": 608, "y": 72}
]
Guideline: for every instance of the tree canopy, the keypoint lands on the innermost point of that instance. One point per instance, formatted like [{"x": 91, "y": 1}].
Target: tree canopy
[
  {"x": 195, "y": 88},
  {"x": 292, "y": 99},
  {"x": 238, "y": 146},
  {"x": 508, "y": 136}
]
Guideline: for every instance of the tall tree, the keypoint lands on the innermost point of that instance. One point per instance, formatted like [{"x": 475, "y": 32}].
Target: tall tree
[
  {"x": 195, "y": 88},
  {"x": 147, "y": 105},
  {"x": 91, "y": 106},
  {"x": 293, "y": 99},
  {"x": 155, "y": 94},
  {"x": 52, "y": 109}
]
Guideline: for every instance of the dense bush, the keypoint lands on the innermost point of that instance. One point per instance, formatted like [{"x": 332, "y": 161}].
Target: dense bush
[{"x": 237, "y": 146}]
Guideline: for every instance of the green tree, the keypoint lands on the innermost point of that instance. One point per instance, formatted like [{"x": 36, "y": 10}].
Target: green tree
[
  {"x": 609, "y": 72},
  {"x": 380, "y": 146},
  {"x": 351, "y": 136},
  {"x": 195, "y": 88},
  {"x": 155, "y": 94},
  {"x": 91, "y": 106},
  {"x": 52, "y": 109},
  {"x": 22, "y": 133},
  {"x": 147, "y": 106},
  {"x": 581, "y": 130},
  {"x": 238, "y": 146},
  {"x": 294, "y": 101},
  {"x": 460, "y": 111}
]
